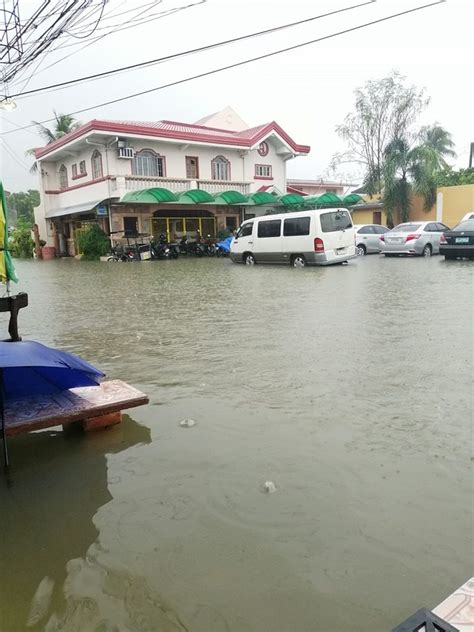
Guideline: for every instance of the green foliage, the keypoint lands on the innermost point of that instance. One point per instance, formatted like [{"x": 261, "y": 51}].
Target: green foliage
[
  {"x": 93, "y": 242},
  {"x": 20, "y": 241},
  {"x": 452, "y": 178},
  {"x": 223, "y": 234},
  {"x": 23, "y": 203},
  {"x": 63, "y": 124}
]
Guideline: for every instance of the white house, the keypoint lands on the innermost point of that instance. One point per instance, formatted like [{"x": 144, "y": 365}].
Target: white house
[{"x": 162, "y": 176}]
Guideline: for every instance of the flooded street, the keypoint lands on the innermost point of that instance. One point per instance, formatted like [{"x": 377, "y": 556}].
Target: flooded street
[{"x": 348, "y": 387}]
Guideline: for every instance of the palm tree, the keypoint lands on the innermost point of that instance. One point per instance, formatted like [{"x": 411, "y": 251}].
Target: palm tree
[
  {"x": 63, "y": 124},
  {"x": 407, "y": 169},
  {"x": 439, "y": 141}
]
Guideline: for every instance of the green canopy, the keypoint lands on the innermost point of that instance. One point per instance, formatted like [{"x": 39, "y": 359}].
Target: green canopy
[
  {"x": 230, "y": 197},
  {"x": 261, "y": 197},
  {"x": 7, "y": 270},
  {"x": 150, "y": 196},
  {"x": 329, "y": 198},
  {"x": 196, "y": 196},
  {"x": 352, "y": 198},
  {"x": 292, "y": 199}
]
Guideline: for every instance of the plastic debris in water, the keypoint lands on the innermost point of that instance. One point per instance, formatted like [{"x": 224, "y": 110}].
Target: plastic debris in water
[
  {"x": 187, "y": 423},
  {"x": 269, "y": 487}
]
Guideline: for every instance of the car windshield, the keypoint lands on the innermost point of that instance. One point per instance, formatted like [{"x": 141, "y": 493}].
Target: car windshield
[
  {"x": 467, "y": 225},
  {"x": 406, "y": 228}
]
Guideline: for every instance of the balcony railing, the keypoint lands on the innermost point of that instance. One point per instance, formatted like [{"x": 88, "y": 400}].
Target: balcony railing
[
  {"x": 219, "y": 186},
  {"x": 177, "y": 185}
]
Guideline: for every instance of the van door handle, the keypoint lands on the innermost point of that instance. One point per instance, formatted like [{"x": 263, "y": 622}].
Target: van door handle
[{"x": 250, "y": 242}]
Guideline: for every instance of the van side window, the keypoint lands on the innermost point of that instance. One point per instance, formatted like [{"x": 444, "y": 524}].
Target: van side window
[
  {"x": 245, "y": 230},
  {"x": 296, "y": 226},
  {"x": 335, "y": 220},
  {"x": 271, "y": 228}
]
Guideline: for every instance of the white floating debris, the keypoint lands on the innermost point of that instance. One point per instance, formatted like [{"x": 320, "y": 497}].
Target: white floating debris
[
  {"x": 269, "y": 487},
  {"x": 187, "y": 423}
]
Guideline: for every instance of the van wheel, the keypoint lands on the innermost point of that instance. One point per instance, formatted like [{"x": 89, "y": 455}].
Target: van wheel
[
  {"x": 298, "y": 261},
  {"x": 249, "y": 259}
]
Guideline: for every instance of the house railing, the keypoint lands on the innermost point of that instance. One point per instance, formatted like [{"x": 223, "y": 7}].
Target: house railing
[
  {"x": 133, "y": 183},
  {"x": 219, "y": 186}
]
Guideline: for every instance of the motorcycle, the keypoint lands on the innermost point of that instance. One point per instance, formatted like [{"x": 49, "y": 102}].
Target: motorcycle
[
  {"x": 161, "y": 249},
  {"x": 121, "y": 254}
]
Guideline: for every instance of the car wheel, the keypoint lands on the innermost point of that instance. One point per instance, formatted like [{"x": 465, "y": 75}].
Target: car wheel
[
  {"x": 426, "y": 251},
  {"x": 361, "y": 250},
  {"x": 298, "y": 261},
  {"x": 249, "y": 259}
]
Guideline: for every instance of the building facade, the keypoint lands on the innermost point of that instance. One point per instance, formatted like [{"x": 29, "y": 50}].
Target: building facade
[
  {"x": 318, "y": 187},
  {"x": 165, "y": 176}
]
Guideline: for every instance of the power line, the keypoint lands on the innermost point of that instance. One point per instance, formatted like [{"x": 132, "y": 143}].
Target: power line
[
  {"x": 192, "y": 51},
  {"x": 238, "y": 64}
]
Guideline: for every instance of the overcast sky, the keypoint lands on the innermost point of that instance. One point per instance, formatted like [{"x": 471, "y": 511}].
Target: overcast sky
[{"x": 308, "y": 91}]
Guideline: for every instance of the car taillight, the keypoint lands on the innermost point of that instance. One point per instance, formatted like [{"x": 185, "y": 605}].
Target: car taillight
[
  {"x": 442, "y": 239},
  {"x": 382, "y": 238},
  {"x": 412, "y": 236},
  {"x": 318, "y": 245}
]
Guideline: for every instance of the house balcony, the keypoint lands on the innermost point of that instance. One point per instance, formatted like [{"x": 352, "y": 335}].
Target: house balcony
[{"x": 177, "y": 185}]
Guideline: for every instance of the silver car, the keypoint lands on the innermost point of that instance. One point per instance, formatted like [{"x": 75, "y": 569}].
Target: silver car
[
  {"x": 367, "y": 238},
  {"x": 414, "y": 238}
]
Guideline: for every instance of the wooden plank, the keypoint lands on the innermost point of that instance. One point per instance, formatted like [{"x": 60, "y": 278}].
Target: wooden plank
[
  {"x": 77, "y": 404},
  {"x": 458, "y": 608}
]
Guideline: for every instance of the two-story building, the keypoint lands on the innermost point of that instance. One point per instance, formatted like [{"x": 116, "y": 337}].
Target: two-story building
[{"x": 160, "y": 177}]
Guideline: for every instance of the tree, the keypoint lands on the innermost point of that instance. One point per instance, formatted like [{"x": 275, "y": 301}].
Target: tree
[
  {"x": 406, "y": 170},
  {"x": 384, "y": 109},
  {"x": 451, "y": 178},
  {"x": 439, "y": 144},
  {"x": 93, "y": 242},
  {"x": 21, "y": 242},
  {"x": 23, "y": 203},
  {"x": 63, "y": 124}
]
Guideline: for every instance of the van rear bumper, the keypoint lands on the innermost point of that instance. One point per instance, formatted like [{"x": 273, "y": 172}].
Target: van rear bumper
[{"x": 329, "y": 257}]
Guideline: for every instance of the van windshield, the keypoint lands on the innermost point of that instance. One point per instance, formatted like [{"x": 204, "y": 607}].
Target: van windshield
[
  {"x": 245, "y": 230},
  {"x": 335, "y": 220}
]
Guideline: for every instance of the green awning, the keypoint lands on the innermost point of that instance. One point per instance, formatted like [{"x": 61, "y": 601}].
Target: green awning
[
  {"x": 150, "y": 196},
  {"x": 352, "y": 198},
  {"x": 261, "y": 197},
  {"x": 196, "y": 196},
  {"x": 329, "y": 198},
  {"x": 292, "y": 199},
  {"x": 230, "y": 197}
]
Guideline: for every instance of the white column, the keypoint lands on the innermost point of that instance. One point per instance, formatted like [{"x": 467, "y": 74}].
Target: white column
[{"x": 439, "y": 207}]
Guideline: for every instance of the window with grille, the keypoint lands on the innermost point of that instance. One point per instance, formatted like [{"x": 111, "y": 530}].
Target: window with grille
[
  {"x": 192, "y": 167},
  {"x": 220, "y": 168},
  {"x": 82, "y": 168},
  {"x": 63, "y": 183},
  {"x": 148, "y": 163},
  {"x": 263, "y": 171},
  {"x": 96, "y": 162},
  {"x": 74, "y": 171}
]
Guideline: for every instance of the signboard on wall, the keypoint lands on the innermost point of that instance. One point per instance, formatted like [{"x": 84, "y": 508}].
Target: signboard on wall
[{"x": 102, "y": 209}]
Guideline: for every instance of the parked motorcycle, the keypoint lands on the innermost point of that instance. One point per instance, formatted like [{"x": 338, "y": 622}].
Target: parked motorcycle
[
  {"x": 161, "y": 249},
  {"x": 121, "y": 254}
]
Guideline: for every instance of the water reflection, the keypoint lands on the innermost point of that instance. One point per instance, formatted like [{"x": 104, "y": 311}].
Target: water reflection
[{"x": 58, "y": 483}]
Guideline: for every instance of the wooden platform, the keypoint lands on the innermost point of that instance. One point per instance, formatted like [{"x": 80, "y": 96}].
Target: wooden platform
[
  {"x": 458, "y": 608},
  {"x": 95, "y": 407}
]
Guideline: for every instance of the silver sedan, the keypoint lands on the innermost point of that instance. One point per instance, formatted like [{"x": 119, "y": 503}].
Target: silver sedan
[
  {"x": 414, "y": 238},
  {"x": 367, "y": 238}
]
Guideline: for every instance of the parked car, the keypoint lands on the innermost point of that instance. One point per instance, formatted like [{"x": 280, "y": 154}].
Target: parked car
[
  {"x": 367, "y": 238},
  {"x": 313, "y": 237},
  {"x": 458, "y": 242},
  {"x": 414, "y": 238},
  {"x": 469, "y": 215}
]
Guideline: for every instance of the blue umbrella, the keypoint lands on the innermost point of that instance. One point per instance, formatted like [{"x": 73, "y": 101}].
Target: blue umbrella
[{"x": 29, "y": 368}]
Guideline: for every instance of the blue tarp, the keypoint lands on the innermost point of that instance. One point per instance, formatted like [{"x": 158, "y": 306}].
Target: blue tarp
[{"x": 225, "y": 244}]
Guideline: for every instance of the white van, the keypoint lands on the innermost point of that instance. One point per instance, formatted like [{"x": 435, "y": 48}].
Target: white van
[{"x": 318, "y": 237}]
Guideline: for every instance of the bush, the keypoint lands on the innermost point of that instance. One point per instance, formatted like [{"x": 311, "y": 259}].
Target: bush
[
  {"x": 451, "y": 178},
  {"x": 223, "y": 234},
  {"x": 21, "y": 242},
  {"x": 93, "y": 242}
]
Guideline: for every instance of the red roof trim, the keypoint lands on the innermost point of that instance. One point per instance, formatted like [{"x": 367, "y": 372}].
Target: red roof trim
[
  {"x": 232, "y": 138},
  {"x": 293, "y": 190}
]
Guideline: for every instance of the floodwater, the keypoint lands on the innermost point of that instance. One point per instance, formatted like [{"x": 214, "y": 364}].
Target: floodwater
[{"x": 347, "y": 387}]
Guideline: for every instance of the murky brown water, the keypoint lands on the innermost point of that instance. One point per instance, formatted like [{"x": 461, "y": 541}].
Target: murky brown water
[{"x": 349, "y": 387}]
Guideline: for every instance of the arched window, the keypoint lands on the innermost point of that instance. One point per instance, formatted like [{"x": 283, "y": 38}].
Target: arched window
[
  {"x": 148, "y": 163},
  {"x": 63, "y": 184},
  {"x": 220, "y": 168},
  {"x": 96, "y": 161}
]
